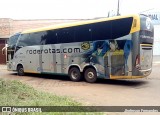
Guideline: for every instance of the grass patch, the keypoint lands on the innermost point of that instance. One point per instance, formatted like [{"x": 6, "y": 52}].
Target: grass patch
[{"x": 14, "y": 93}]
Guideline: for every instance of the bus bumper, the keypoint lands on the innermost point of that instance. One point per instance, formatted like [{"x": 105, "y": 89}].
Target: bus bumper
[{"x": 146, "y": 72}]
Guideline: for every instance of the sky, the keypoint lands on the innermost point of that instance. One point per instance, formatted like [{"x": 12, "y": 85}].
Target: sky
[{"x": 71, "y": 9}]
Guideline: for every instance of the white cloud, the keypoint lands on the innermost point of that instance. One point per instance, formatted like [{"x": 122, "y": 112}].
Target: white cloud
[{"x": 48, "y": 9}]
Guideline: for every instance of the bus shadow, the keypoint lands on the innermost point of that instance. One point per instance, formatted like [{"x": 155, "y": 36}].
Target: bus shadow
[
  {"x": 120, "y": 82},
  {"x": 123, "y": 82},
  {"x": 50, "y": 76}
]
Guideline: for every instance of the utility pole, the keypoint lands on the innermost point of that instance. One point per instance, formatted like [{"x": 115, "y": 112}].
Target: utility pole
[{"x": 118, "y": 9}]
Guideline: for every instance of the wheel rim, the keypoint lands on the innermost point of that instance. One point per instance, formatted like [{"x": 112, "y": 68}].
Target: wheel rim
[
  {"x": 90, "y": 75},
  {"x": 21, "y": 70},
  {"x": 74, "y": 75}
]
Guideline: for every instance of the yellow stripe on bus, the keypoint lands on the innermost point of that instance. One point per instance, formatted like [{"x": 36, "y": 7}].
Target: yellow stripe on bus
[
  {"x": 26, "y": 71},
  {"x": 135, "y": 25},
  {"x": 125, "y": 77}
]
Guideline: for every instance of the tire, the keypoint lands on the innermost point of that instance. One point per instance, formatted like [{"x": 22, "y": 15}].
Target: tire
[
  {"x": 90, "y": 75},
  {"x": 74, "y": 74},
  {"x": 20, "y": 70}
]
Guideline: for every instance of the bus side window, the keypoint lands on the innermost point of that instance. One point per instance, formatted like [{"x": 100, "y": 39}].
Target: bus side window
[
  {"x": 36, "y": 38},
  {"x": 83, "y": 33},
  {"x": 66, "y": 35},
  {"x": 70, "y": 34},
  {"x": 101, "y": 31},
  {"x": 121, "y": 27},
  {"x": 23, "y": 40},
  {"x": 51, "y": 37}
]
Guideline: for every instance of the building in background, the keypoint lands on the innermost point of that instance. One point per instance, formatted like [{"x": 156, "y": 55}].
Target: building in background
[{"x": 155, "y": 17}]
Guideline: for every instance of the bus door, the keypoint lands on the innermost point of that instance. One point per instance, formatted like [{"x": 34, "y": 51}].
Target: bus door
[
  {"x": 9, "y": 57},
  {"x": 61, "y": 58},
  {"x": 45, "y": 60},
  {"x": 52, "y": 58},
  {"x": 29, "y": 57}
]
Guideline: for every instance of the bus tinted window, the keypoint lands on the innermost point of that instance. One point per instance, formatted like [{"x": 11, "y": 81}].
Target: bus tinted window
[
  {"x": 32, "y": 39},
  {"x": 101, "y": 31},
  {"x": 51, "y": 37},
  {"x": 83, "y": 33},
  {"x": 36, "y": 38},
  {"x": 23, "y": 40},
  {"x": 121, "y": 27},
  {"x": 66, "y": 35},
  {"x": 13, "y": 40}
]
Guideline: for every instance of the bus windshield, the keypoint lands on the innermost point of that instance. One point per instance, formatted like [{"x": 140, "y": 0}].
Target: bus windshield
[{"x": 13, "y": 40}]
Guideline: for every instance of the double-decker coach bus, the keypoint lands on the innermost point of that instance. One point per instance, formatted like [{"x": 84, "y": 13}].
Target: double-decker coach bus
[{"x": 111, "y": 48}]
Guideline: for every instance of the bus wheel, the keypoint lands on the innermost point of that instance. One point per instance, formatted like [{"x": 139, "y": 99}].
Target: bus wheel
[
  {"x": 20, "y": 70},
  {"x": 90, "y": 75},
  {"x": 74, "y": 74}
]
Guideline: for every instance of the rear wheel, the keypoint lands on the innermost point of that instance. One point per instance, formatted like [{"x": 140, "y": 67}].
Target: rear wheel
[
  {"x": 20, "y": 70},
  {"x": 90, "y": 75},
  {"x": 74, "y": 74}
]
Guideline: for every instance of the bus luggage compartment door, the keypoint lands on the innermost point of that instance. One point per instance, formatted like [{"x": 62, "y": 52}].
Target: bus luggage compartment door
[{"x": 116, "y": 63}]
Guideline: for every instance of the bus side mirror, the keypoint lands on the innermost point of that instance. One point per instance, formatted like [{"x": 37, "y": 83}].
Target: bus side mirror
[{"x": 4, "y": 50}]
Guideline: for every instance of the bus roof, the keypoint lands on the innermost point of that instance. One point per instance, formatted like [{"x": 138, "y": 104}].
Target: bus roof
[{"x": 71, "y": 24}]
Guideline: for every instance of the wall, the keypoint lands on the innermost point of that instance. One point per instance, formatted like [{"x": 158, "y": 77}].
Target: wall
[
  {"x": 156, "y": 47},
  {"x": 9, "y": 26},
  {"x": 5, "y": 25},
  {"x": 154, "y": 15},
  {"x": 2, "y": 56}
]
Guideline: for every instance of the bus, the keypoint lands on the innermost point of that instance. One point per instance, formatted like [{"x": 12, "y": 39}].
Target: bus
[{"x": 119, "y": 47}]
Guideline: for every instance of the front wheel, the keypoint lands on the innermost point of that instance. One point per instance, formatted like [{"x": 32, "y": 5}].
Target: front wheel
[
  {"x": 74, "y": 74},
  {"x": 20, "y": 70},
  {"x": 90, "y": 75}
]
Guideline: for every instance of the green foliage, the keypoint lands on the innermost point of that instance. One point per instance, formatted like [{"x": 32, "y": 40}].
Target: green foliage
[{"x": 14, "y": 93}]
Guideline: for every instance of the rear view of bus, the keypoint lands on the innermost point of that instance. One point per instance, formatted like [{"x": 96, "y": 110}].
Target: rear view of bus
[{"x": 143, "y": 41}]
